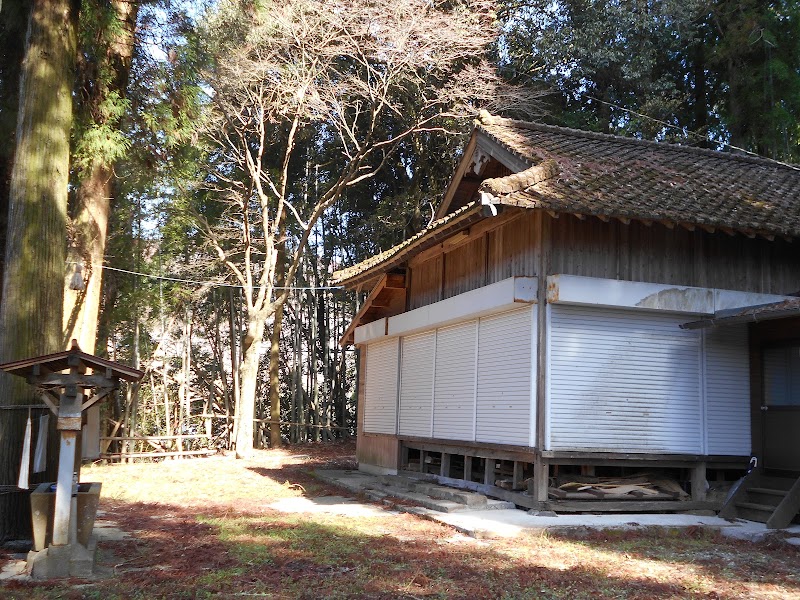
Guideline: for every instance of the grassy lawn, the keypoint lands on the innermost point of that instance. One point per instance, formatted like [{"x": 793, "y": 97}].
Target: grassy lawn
[{"x": 203, "y": 528}]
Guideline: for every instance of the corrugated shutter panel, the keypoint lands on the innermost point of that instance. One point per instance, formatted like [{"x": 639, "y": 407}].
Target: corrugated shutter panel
[
  {"x": 380, "y": 398},
  {"x": 728, "y": 391},
  {"x": 504, "y": 378},
  {"x": 623, "y": 381},
  {"x": 416, "y": 384},
  {"x": 454, "y": 382}
]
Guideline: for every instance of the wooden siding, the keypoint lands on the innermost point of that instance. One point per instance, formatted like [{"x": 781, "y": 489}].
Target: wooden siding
[
  {"x": 657, "y": 254},
  {"x": 465, "y": 268},
  {"x": 503, "y": 414},
  {"x": 623, "y": 381},
  {"x": 380, "y": 400},
  {"x": 426, "y": 283},
  {"x": 416, "y": 384},
  {"x": 727, "y": 391},
  {"x": 512, "y": 250},
  {"x": 613, "y": 250},
  {"x": 454, "y": 382},
  {"x": 378, "y": 450}
]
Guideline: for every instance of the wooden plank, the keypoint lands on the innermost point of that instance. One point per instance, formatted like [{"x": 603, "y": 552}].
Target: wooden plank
[
  {"x": 477, "y": 230},
  {"x": 568, "y": 506},
  {"x": 518, "y": 475},
  {"x": 461, "y": 169},
  {"x": 626, "y": 506},
  {"x": 477, "y": 449},
  {"x": 699, "y": 482},
  {"x": 387, "y": 298},
  {"x": 787, "y": 509},
  {"x": 489, "y": 471},
  {"x": 444, "y": 469},
  {"x": 157, "y": 438},
  {"x": 112, "y": 455}
]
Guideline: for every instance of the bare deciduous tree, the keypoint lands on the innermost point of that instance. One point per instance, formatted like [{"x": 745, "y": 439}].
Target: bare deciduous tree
[{"x": 334, "y": 73}]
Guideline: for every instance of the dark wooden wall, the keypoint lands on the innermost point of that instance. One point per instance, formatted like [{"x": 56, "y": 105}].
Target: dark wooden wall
[{"x": 611, "y": 250}]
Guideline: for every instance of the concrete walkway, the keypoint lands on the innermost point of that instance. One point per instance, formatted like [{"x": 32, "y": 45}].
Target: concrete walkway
[{"x": 480, "y": 517}]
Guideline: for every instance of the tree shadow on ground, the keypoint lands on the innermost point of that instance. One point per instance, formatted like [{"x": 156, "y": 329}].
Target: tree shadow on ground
[
  {"x": 180, "y": 554},
  {"x": 703, "y": 549}
]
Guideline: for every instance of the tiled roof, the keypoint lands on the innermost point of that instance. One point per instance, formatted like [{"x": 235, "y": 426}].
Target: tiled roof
[
  {"x": 612, "y": 176},
  {"x": 426, "y": 238},
  {"x": 607, "y": 176}
]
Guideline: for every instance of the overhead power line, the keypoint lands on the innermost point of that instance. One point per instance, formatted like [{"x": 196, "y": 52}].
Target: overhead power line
[{"x": 206, "y": 282}]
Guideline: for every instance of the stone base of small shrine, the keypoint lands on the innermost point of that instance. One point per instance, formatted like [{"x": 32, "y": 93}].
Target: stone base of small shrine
[{"x": 71, "y": 560}]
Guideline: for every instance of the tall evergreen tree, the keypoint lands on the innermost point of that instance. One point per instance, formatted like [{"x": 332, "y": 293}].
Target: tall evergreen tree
[{"x": 31, "y": 311}]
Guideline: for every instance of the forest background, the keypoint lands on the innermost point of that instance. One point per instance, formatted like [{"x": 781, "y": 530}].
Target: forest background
[{"x": 178, "y": 180}]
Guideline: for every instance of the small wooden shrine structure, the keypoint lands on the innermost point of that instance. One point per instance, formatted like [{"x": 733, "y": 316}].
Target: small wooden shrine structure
[{"x": 69, "y": 382}]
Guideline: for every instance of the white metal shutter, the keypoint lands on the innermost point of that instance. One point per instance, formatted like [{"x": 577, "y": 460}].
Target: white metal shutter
[
  {"x": 623, "y": 380},
  {"x": 505, "y": 361},
  {"x": 416, "y": 384},
  {"x": 380, "y": 397},
  {"x": 454, "y": 382},
  {"x": 727, "y": 387}
]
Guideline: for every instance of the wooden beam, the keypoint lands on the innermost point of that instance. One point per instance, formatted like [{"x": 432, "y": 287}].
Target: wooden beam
[
  {"x": 390, "y": 285},
  {"x": 461, "y": 169},
  {"x": 444, "y": 467},
  {"x": 456, "y": 238},
  {"x": 48, "y": 398},
  {"x": 475, "y": 231}
]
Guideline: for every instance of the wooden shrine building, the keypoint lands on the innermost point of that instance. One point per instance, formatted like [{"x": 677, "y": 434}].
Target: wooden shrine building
[{"x": 570, "y": 313}]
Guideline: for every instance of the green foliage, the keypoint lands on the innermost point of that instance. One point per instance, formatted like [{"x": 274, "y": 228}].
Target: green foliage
[
  {"x": 101, "y": 106},
  {"x": 724, "y": 69}
]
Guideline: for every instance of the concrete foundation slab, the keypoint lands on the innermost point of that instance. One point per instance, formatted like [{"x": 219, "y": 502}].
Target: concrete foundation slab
[{"x": 484, "y": 518}]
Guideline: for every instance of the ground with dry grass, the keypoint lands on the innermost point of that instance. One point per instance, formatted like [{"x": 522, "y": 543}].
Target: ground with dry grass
[{"x": 203, "y": 528}]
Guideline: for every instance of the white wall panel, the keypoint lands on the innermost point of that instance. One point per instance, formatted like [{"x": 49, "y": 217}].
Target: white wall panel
[
  {"x": 727, "y": 388},
  {"x": 623, "y": 380},
  {"x": 454, "y": 382},
  {"x": 416, "y": 384},
  {"x": 505, "y": 378},
  {"x": 380, "y": 398}
]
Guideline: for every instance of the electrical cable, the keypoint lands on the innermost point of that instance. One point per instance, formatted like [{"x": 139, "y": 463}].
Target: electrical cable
[{"x": 208, "y": 283}]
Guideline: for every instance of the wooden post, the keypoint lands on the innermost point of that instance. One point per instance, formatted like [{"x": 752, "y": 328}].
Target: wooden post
[
  {"x": 540, "y": 467},
  {"x": 538, "y": 485},
  {"x": 444, "y": 468},
  {"x": 63, "y": 508},
  {"x": 519, "y": 475},
  {"x": 699, "y": 482},
  {"x": 488, "y": 471},
  {"x": 467, "y": 468},
  {"x": 69, "y": 424}
]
